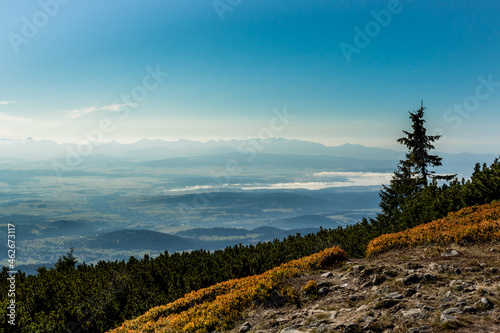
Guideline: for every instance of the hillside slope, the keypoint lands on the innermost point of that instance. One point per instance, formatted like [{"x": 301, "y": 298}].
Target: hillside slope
[
  {"x": 436, "y": 277},
  {"x": 425, "y": 289},
  {"x": 447, "y": 280},
  {"x": 470, "y": 225},
  {"x": 219, "y": 306}
]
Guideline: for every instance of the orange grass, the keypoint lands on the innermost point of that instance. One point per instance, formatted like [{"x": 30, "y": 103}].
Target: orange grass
[
  {"x": 470, "y": 225},
  {"x": 219, "y": 306}
]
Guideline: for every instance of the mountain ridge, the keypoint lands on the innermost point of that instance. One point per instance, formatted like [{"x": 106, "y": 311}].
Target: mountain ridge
[
  {"x": 151, "y": 149},
  {"x": 146, "y": 150}
]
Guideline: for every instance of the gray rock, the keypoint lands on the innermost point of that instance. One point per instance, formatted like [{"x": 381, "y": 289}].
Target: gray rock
[
  {"x": 323, "y": 284},
  {"x": 322, "y": 329},
  {"x": 414, "y": 313},
  {"x": 368, "y": 324},
  {"x": 485, "y": 304},
  {"x": 410, "y": 292},
  {"x": 368, "y": 320},
  {"x": 323, "y": 291},
  {"x": 245, "y": 327},
  {"x": 450, "y": 253},
  {"x": 355, "y": 298},
  {"x": 327, "y": 275},
  {"x": 358, "y": 268},
  {"x": 362, "y": 308},
  {"x": 386, "y": 304},
  {"x": 428, "y": 308},
  {"x": 412, "y": 278},
  {"x": 367, "y": 284},
  {"x": 470, "y": 309},
  {"x": 291, "y": 329},
  {"x": 444, "y": 306},
  {"x": 421, "y": 329},
  {"x": 448, "y": 297},
  {"x": 433, "y": 266},
  {"x": 456, "y": 282},
  {"x": 452, "y": 311},
  {"x": 444, "y": 318},
  {"x": 394, "y": 296}
]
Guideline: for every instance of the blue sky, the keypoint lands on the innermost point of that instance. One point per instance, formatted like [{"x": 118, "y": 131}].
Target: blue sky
[{"x": 66, "y": 65}]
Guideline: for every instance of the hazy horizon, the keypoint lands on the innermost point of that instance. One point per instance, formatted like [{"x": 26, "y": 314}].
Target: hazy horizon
[
  {"x": 335, "y": 72},
  {"x": 485, "y": 149}
]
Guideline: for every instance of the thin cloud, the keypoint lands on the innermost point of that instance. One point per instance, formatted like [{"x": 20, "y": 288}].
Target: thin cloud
[
  {"x": 10, "y": 125},
  {"x": 77, "y": 113},
  {"x": 15, "y": 126},
  {"x": 6, "y": 102},
  {"x": 4, "y": 118},
  {"x": 353, "y": 174},
  {"x": 351, "y": 179}
]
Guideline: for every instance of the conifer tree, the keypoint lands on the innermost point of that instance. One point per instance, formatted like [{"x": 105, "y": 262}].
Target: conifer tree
[
  {"x": 401, "y": 187},
  {"x": 413, "y": 173},
  {"x": 67, "y": 262},
  {"x": 419, "y": 144}
]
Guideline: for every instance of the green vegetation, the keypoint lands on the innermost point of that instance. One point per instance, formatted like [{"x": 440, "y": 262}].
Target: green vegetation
[
  {"x": 412, "y": 174},
  {"x": 95, "y": 298},
  {"x": 67, "y": 262},
  {"x": 99, "y": 297},
  {"x": 468, "y": 226},
  {"x": 217, "y": 308}
]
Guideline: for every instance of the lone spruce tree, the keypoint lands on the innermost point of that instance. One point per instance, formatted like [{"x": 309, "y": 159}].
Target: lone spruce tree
[
  {"x": 419, "y": 145},
  {"x": 413, "y": 173}
]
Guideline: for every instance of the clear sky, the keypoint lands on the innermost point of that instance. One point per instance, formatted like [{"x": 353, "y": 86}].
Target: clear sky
[{"x": 348, "y": 71}]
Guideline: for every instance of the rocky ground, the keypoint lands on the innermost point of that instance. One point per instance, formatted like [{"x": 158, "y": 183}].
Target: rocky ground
[{"x": 428, "y": 289}]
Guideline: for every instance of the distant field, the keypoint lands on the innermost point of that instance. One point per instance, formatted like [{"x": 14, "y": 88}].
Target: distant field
[{"x": 102, "y": 196}]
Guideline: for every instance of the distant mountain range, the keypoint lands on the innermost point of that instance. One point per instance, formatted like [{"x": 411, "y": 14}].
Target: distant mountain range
[
  {"x": 159, "y": 153},
  {"x": 263, "y": 160},
  {"x": 147, "y": 150}
]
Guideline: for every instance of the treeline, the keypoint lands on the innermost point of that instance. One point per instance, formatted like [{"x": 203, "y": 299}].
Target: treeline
[{"x": 95, "y": 298}]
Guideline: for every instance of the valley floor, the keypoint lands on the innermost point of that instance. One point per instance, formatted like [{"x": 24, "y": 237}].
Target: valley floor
[{"x": 427, "y": 289}]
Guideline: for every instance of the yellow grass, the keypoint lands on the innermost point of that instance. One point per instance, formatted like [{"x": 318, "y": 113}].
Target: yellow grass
[
  {"x": 471, "y": 225},
  {"x": 219, "y": 306}
]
